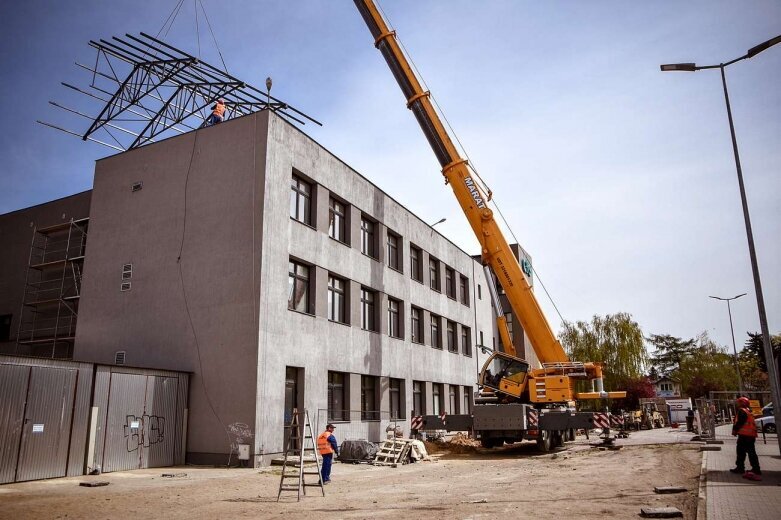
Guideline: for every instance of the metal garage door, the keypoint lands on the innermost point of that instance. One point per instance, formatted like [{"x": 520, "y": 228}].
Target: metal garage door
[
  {"x": 36, "y": 417},
  {"x": 141, "y": 427}
]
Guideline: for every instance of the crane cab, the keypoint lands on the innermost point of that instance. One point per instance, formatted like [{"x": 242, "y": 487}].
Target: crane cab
[{"x": 506, "y": 374}]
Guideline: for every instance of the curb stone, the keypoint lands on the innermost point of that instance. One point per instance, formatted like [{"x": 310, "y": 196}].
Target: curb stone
[{"x": 702, "y": 510}]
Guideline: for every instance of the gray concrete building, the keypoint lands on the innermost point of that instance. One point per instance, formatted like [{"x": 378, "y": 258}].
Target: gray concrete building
[{"x": 251, "y": 257}]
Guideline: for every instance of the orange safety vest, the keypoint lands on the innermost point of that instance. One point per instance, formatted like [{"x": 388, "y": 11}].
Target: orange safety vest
[
  {"x": 748, "y": 428},
  {"x": 323, "y": 446},
  {"x": 219, "y": 109}
]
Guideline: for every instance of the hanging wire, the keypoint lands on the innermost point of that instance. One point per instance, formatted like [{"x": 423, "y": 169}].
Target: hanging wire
[
  {"x": 209, "y": 25},
  {"x": 171, "y": 17},
  {"x": 463, "y": 150},
  {"x": 197, "y": 30}
]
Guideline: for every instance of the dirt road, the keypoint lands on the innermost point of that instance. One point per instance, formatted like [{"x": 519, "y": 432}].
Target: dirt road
[{"x": 578, "y": 483}]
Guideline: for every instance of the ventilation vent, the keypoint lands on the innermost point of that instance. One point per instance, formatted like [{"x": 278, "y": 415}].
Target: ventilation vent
[
  {"x": 119, "y": 357},
  {"x": 136, "y": 186},
  {"x": 127, "y": 271},
  {"x": 125, "y": 286}
]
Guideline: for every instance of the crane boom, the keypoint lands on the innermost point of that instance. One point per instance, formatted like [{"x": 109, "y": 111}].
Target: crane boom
[{"x": 495, "y": 250}]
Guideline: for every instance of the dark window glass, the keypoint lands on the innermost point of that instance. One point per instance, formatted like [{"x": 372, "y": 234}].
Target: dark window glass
[
  {"x": 418, "y": 399},
  {"x": 368, "y": 309},
  {"x": 453, "y": 398},
  {"x": 452, "y": 343},
  {"x": 368, "y": 238},
  {"x": 466, "y": 341},
  {"x": 415, "y": 255},
  {"x": 437, "y": 399},
  {"x": 394, "y": 323},
  {"x": 337, "y": 397},
  {"x": 369, "y": 410},
  {"x": 436, "y": 340},
  {"x": 301, "y": 200},
  {"x": 336, "y": 299},
  {"x": 464, "y": 290},
  {"x": 394, "y": 251},
  {"x": 450, "y": 282},
  {"x": 298, "y": 287},
  {"x": 416, "y": 324},
  {"x": 433, "y": 269},
  {"x": 394, "y": 390},
  {"x": 336, "y": 220},
  {"x": 467, "y": 403}
]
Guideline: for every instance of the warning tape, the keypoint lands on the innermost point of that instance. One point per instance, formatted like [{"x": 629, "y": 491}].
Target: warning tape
[
  {"x": 601, "y": 420},
  {"x": 618, "y": 420},
  {"x": 533, "y": 419},
  {"x": 442, "y": 417},
  {"x": 417, "y": 422}
]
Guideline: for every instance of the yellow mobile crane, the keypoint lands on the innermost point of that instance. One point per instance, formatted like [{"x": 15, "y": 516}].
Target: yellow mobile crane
[{"x": 516, "y": 401}]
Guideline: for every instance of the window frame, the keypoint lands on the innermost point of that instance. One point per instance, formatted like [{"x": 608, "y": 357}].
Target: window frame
[
  {"x": 395, "y": 332},
  {"x": 466, "y": 341},
  {"x": 337, "y": 221},
  {"x": 398, "y": 390},
  {"x": 369, "y": 383},
  {"x": 455, "y": 407},
  {"x": 333, "y": 292},
  {"x": 394, "y": 250},
  {"x": 416, "y": 325},
  {"x": 437, "y": 399},
  {"x": 306, "y": 282},
  {"x": 464, "y": 289},
  {"x": 435, "y": 327},
  {"x": 369, "y": 310},
  {"x": 343, "y": 413},
  {"x": 298, "y": 193},
  {"x": 450, "y": 282},
  {"x": 451, "y": 337},
  {"x": 369, "y": 237},
  {"x": 416, "y": 263},
  {"x": 433, "y": 271},
  {"x": 419, "y": 397}
]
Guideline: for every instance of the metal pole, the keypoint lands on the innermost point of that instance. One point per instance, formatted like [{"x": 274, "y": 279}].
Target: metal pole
[
  {"x": 771, "y": 363},
  {"x": 735, "y": 350}
]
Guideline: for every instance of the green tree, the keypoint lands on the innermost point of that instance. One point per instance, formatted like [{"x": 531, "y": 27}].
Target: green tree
[
  {"x": 705, "y": 367},
  {"x": 754, "y": 346},
  {"x": 668, "y": 353},
  {"x": 615, "y": 340}
]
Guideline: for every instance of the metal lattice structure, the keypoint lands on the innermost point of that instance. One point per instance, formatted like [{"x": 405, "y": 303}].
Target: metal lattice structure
[{"x": 148, "y": 90}]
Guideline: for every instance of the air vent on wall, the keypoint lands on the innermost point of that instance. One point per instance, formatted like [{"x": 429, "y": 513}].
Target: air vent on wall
[
  {"x": 127, "y": 271},
  {"x": 119, "y": 357},
  {"x": 125, "y": 286},
  {"x": 136, "y": 186}
]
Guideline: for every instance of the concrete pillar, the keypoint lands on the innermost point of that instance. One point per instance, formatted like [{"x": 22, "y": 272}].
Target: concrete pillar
[
  {"x": 353, "y": 227},
  {"x": 320, "y": 294},
  {"x": 320, "y": 197},
  {"x": 354, "y": 305},
  {"x": 355, "y": 397}
]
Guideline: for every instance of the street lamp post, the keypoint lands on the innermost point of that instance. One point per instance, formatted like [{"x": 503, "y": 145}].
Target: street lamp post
[
  {"x": 732, "y": 330},
  {"x": 438, "y": 222},
  {"x": 771, "y": 365}
]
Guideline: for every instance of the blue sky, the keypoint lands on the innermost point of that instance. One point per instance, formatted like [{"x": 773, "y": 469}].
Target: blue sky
[{"x": 617, "y": 178}]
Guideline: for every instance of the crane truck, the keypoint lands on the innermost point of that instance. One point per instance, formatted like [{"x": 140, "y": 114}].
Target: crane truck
[{"x": 515, "y": 401}]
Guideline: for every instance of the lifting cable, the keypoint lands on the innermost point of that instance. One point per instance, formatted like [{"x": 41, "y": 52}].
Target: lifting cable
[
  {"x": 470, "y": 164},
  {"x": 169, "y": 22}
]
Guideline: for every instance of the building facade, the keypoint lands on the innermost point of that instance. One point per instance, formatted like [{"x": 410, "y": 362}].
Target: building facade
[{"x": 252, "y": 258}]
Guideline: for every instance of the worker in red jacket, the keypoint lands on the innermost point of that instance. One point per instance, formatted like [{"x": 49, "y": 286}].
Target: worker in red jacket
[
  {"x": 746, "y": 431},
  {"x": 326, "y": 446}
]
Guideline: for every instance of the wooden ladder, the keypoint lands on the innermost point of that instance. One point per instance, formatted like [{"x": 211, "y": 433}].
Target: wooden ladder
[{"x": 297, "y": 465}]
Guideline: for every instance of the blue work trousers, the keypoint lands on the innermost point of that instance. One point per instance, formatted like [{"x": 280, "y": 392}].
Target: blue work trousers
[{"x": 326, "y": 469}]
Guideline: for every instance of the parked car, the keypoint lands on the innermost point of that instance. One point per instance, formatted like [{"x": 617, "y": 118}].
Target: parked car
[
  {"x": 767, "y": 410},
  {"x": 766, "y": 424}
]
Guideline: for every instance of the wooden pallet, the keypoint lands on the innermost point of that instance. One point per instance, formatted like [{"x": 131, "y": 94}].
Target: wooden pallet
[{"x": 393, "y": 452}]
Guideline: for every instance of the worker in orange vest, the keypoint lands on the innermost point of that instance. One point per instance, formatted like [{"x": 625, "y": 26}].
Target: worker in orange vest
[
  {"x": 326, "y": 446},
  {"x": 746, "y": 431},
  {"x": 218, "y": 111}
]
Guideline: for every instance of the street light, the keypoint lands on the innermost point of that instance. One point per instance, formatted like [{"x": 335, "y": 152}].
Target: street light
[
  {"x": 734, "y": 349},
  {"x": 771, "y": 365},
  {"x": 438, "y": 222}
]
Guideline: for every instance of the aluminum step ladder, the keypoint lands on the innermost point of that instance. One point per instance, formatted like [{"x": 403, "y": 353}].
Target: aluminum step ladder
[{"x": 301, "y": 459}]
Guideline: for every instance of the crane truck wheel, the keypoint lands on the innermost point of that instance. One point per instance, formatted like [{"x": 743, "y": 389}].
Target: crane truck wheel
[
  {"x": 545, "y": 441},
  {"x": 570, "y": 435}
]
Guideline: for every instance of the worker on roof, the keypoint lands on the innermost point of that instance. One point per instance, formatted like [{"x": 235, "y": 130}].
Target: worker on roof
[
  {"x": 326, "y": 446},
  {"x": 218, "y": 111},
  {"x": 746, "y": 431}
]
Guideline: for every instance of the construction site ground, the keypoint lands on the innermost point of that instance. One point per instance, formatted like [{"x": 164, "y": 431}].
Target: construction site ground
[{"x": 462, "y": 482}]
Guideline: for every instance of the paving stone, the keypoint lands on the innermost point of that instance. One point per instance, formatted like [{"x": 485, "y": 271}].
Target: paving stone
[{"x": 660, "y": 512}]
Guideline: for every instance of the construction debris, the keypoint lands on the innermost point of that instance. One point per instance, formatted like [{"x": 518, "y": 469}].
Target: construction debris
[
  {"x": 97, "y": 483},
  {"x": 660, "y": 512},
  {"x": 174, "y": 475},
  {"x": 393, "y": 452}
]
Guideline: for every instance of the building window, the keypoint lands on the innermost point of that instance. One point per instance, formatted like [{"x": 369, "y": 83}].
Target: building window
[
  {"x": 437, "y": 399},
  {"x": 479, "y": 292},
  {"x": 394, "y": 251},
  {"x": 666, "y": 387},
  {"x": 450, "y": 282},
  {"x": 453, "y": 398},
  {"x": 418, "y": 398},
  {"x": 481, "y": 339},
  {"x": 415, "y": 259},
  {"x": 395, "y": 387},
  {"x": 394, "y": 318},
  {"x": 466, "y": 341},
  {"x": 368, "y": 237},
  {"x": 433, "y": 270},
  {"x": 369, "y": 408},
  {"x": 436, "y": 339},
  {"x": 467, "y": 402},
  {"x": 508, "y": 318},
  {"x": 368, "y": 309},
  {"x": 336, "y": 220},
  {"x": 416, "y": 322},
  {"x": 336, "y": 299},
  {"x": 337, "y": 396},
  {"x": 301, "y": 200},
  {"x": 452, "y": 343},
  {"x": 464, "y": 290},
  {"x": 298, "y": 287}
]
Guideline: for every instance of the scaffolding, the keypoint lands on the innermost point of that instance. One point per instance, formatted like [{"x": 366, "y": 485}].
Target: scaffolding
[
  {"x": 47, "y": 321},
  {"x": 143, "y": 89}
]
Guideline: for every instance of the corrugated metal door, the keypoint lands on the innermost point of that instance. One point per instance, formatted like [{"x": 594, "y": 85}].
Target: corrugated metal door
[
  {"x": 160, "y": 426},
  {"x": 47, "y": 424},
  {"x": 13, "y": 392},
  {"x": 124, "y": 435}
]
